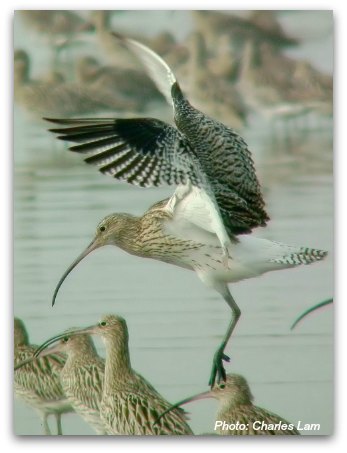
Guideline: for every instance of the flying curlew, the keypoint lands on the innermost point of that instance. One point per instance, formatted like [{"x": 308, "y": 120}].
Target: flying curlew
[{"x": 205, "y": 225}]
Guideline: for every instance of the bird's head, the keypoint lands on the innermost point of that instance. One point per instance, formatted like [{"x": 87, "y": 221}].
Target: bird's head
[
  {"x": 112, "y": 230},
  {"x": 234, "y": 388}
]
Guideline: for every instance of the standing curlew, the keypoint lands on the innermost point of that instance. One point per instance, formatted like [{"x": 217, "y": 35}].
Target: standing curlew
[
  {"x": 237, "y": 415},
  {"x": 82, "y": 377},
  {"x": 205, "y": 225},
  {"x": 129, "y": 404},
  {"x": 37, "y": 383}
]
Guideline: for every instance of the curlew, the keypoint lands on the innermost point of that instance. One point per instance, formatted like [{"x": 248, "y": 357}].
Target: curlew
[
  {"x": 37, "y": 383},
  {"x": 129, "y": 404},
  {"x": 173, "y": 239},
  {"x": 202, "y": 155},
  {"x": 81, "y": 377},
  {"x": 205, "y": 225},
  {"x": 237, "y": 415}
]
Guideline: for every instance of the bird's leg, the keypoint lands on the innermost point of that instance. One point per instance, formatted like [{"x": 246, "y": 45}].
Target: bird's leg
[
  {"x": 225, "y": 255},
  {"x": 59, "y": 427},
  {"x": 218, "y": 370},
  {"x": 46, "y": 430}
]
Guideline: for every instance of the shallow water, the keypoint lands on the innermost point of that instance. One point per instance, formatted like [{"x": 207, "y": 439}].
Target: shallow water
[{"x": 175, "y": 323}]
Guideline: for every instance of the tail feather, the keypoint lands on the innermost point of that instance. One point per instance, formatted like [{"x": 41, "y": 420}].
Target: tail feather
[
  {"x": 303, "y": 255},
  {"x": 156, "y": 67}
]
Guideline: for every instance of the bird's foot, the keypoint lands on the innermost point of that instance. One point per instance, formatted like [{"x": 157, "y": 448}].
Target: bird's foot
[{"x": 218, "y": 370}]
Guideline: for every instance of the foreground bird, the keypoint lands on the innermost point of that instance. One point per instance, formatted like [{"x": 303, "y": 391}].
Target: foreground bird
[
  {"x": 129, "y": 404},
  {"x": 237, "y": 415},
  {"x": 81, "y": 377},
  {"x": 173, "y": 238},
  {"x": 204, "y": 226},
  {"x": 37, "y": 383}
]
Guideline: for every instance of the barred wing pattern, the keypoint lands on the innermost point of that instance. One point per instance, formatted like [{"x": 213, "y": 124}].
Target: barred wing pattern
[
  {"x": 85, "y": 386},
  {"x": 224, "y": 157},
  {"x": 41, "y": 377},
  {"x": 233, "y": 179},
  {"x": 141, "y": 151},
  {"x": 227, "y": 164},
  {"x": 135, "y": 414}
]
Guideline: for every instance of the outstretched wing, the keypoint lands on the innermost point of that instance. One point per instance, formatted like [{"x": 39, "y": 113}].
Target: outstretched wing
[
  {"x": 224, "y": 158},
  {"x": 142, "y": 151}
]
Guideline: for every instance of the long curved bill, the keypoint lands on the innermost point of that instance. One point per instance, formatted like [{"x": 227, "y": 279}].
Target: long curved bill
[
  {"x": 40, "y": 349},
  {"x": 310, "y": 310},
  {"x": 196, "y": 397},
  {"x": 92, "y": 246}
]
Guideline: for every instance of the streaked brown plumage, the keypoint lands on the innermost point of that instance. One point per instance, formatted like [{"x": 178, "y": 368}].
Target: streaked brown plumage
[
  {"x": 38, "y": 383},
  {"x": 82, "y": 377},
  {"x": 129, "y": 404},
  {"x": 172, "y": 238},
  {"x": 239, "y": 415},
  {"x": 218, "y": 201}
]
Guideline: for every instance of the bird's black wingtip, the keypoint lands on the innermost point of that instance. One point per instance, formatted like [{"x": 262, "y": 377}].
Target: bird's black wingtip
[
  {"x": 61, "y": 120},
  {"x": 50, "y": 120}
]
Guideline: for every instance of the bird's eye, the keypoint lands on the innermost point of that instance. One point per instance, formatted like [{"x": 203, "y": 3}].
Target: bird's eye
[
  {"x": 103, "y": 323},
  {"x": 102, "y": 228},
  {"x": 222, "y": 386},
  {"x": 65, "y": 339}
]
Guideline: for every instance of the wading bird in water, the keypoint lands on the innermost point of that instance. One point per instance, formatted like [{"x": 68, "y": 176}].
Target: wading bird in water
[{"x": 205, "y": 226}]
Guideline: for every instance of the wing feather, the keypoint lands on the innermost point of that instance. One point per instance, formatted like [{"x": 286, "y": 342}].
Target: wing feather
[{"x": 142, "y": 151}]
